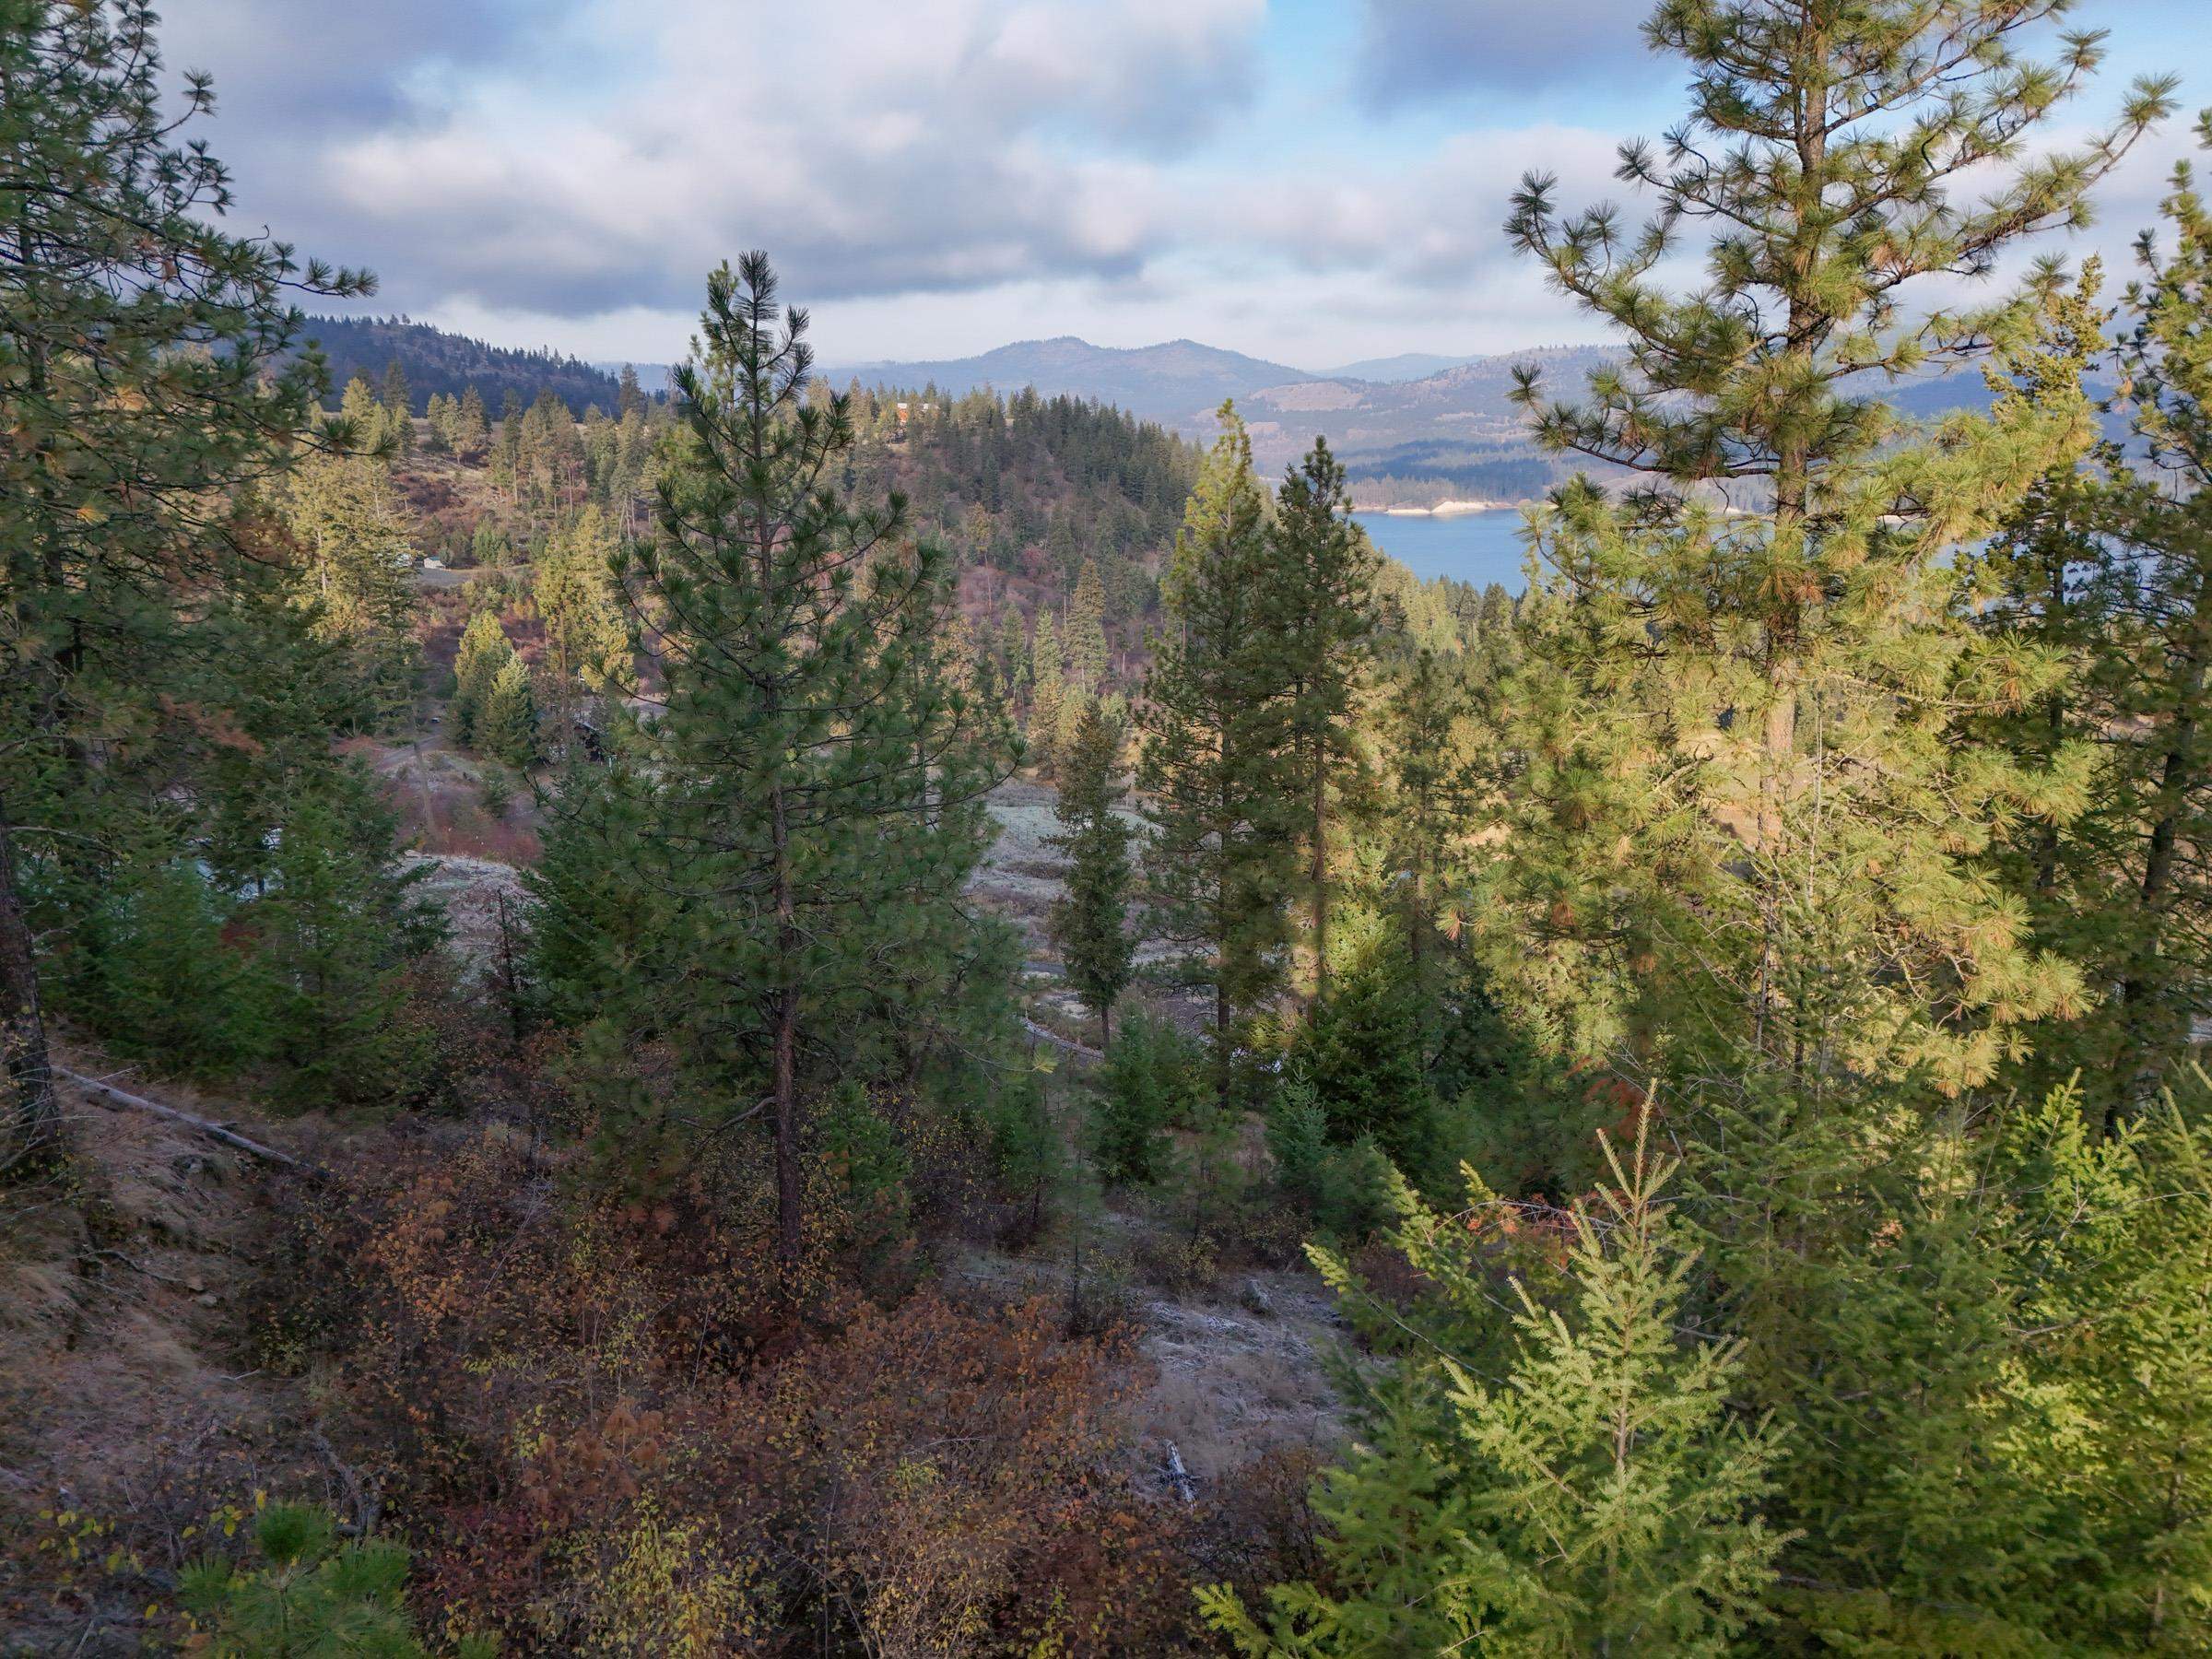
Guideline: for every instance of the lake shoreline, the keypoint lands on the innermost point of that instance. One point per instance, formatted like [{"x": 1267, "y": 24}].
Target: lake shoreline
[{"x": 1441, "y": 509}]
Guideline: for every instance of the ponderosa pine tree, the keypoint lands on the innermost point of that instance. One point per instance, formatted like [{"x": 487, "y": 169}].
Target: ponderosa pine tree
[
  {"x": 1091, "y": 921},
  {"x": 472, "y": 427},
  {"x": 1320, "y": 602},
  {"x": 1219, "y": 866},
  {"x": 1429, "y": 797},
  {"x": 808, "y": 803},
  {"x": 398, "y": 405},
  {"x": 1779, "y": 678},
  {"x": 1748, "y": 827},
  {"x": 150, "y": 378}
]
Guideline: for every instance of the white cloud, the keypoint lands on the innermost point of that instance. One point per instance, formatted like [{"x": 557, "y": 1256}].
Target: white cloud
[{"x": 933, "y": 176}]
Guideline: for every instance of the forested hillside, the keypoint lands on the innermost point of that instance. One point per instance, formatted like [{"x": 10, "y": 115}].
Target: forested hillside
[
  {"x": 792, "y": 1019},
  {"x": 432, "y": 362}
]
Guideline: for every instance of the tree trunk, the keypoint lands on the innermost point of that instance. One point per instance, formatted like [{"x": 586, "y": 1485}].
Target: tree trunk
[
  {"x": 30, "y": 1139},
  {"x": 2140, "y": 990},
  {"x": 790, "y": 1195},
  {"x": 1319, "y": 873}
]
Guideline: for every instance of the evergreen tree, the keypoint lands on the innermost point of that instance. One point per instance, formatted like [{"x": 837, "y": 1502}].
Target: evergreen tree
[
  {"x": 1091, "y": 921},
  {"x": 811, "y": 795},
  {"x": 1587, "y": 1494},
  {"x": 506, "y": 726},
  {"x": 1426, "y": 734},
  {"x": 398, "y": 405},
  {"x": 309, "y": 1595},
  {"x": 1750, "y": 802},
  {"x": 1153, "y": 1081},
  {"x": 150, "y": 372},
  {"x": 1362, "y": 1047},
  {"x": 1013, "y": 652},
  {"x": 2052, "y": 583},
  {"x": 1048, "y": 701},
  {"x": 484, "y": 650},
  {"x": 337, "y": 927},
  {"x": 356, "y": 553},
  {"x": 472, "y": 427},
  {"x": 586, "y": 638},
  {"x": 1743, "y": 817},
  {"x": 2160, "y": 782},
  {"x": 1321, "y": 599},
  {"x": 1087, "y": 631},
  {"x": 1217, "y": 865}
]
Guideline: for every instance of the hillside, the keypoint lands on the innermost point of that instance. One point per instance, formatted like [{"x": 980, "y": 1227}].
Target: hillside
[
  {"x": 1405, "y": 366},
  {"x": 436, "y": 361},
  {"x": 1179, "y": 383}
]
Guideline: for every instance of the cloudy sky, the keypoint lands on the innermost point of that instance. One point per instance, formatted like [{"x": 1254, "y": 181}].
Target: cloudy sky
[{"x": 1309, "y": 181}]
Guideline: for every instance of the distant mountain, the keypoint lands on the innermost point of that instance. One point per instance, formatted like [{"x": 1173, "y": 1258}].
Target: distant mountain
[
  {"x": 1180, "y": 382},
  {"x": 434, "y": 361},
  {"x": 1405, "y": 366},
  {"x": 1462, "y": 409}
]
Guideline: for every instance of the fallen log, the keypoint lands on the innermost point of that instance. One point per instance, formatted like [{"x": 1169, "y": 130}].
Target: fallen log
[{"x": 207, "y": 1126}]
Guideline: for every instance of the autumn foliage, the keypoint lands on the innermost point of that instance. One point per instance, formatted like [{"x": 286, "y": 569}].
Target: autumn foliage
[{"x": 605, "y": 1428}]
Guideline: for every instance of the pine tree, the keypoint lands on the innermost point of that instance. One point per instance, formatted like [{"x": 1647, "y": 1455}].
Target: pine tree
[
  {"x": 336, "y": 927},
  {"x": 1744, "y": 818},
  {"x": 309, "y": 1594},
  {"x": 2052, "y": 583},
  {"x": 1048, "y": 700},
  {"x": 1587, "y": 1493},
  {"x": 356, "y": 549},
  {"x": 151, "y": 370},
  {"x": 1013, "y": 652},
  {"x": 471, "y": 425},
  {"x": 438, "y": 425},
  {"x": 398, "y": 405},
  {"x": 2161, "y": 780},
  {"x": 1153, "y": 1081},
  {"x": 810, "y": 796},
  {"x": 1320, "y": 600},
  {"x": 1087, "y": 631},
  {"x": 507, "y": 445},
  {"x": 484, "y": 650},
  {"x": 1217, "y": 865},
  {"x": 586, "y": 638},
  {"x": 1091, "y": 922},
  {"x": 1427, "y": 737},
  {"x": 506, "y": 727},
  {"x": 1752, "y": 799}
]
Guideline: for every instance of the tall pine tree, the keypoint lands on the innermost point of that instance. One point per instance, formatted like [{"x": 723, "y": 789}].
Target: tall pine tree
[
  {"x": 1091, "y": 921},
  {"x": 1218, "y": 865},
  {"x": 808, "y": 798}
]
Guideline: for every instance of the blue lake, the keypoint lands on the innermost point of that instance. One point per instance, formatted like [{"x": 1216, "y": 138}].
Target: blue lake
[{"x": 1477, "y": 547}]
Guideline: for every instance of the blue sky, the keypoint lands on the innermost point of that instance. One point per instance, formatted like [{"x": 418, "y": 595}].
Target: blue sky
[{"x": 1310, "y": 180}]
